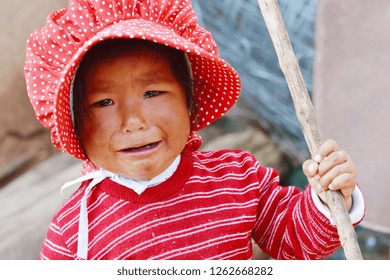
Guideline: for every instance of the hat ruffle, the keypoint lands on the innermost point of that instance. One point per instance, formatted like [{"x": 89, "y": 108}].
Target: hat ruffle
[{"x": 55, "y": 51}]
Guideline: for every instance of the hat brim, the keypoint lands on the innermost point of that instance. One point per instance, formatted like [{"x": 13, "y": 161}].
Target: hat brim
[{"x": 216, "y": 90}]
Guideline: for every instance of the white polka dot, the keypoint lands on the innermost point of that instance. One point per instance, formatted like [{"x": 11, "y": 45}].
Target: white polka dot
[{"x": 79, "y": 25}]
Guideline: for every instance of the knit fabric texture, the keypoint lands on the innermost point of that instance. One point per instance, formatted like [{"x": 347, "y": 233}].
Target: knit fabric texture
[{"x": 209, "y": 209}]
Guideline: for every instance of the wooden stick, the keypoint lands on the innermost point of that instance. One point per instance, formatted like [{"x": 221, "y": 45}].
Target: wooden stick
[{"x": 305, "y": 112}]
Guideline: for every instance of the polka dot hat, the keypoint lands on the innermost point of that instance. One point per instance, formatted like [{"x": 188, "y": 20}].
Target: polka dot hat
[{"x": 55, "y": 51}]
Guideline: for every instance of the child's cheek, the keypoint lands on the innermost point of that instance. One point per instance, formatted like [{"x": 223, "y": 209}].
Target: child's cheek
[{"x": 172, "y": 109}]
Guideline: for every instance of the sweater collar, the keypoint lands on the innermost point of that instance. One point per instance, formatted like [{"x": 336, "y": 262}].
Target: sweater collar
[
  {"x": 158, "y": 188},
  {"x": 139, "y": 186},
  {"x": 157, "y": 192}
]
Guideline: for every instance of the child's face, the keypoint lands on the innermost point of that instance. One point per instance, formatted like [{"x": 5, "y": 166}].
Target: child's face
[{"x": 140, "y": 121}]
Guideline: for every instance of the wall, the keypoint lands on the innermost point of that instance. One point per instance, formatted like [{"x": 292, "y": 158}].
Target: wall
[
  {"x": 22, "y": 139},
  {"x": 351, "y": 93}
]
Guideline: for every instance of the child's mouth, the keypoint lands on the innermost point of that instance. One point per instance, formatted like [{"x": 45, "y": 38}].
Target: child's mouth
[{"x": 143, "y": 148}]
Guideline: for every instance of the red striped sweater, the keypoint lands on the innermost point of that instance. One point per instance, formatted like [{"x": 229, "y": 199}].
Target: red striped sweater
[{"x": 210, "y": 208}]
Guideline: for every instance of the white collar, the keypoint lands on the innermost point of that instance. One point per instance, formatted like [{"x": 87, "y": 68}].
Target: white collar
[{"x": 139, "y": 186}]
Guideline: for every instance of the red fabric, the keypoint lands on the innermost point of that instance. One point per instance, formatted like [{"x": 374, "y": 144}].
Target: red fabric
[
  {"x": 54, "y": 52},
  {"x": 209, "y": 209}
]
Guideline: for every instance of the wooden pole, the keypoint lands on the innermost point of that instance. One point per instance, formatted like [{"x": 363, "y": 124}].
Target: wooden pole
[{"x": 306, "y": 116}]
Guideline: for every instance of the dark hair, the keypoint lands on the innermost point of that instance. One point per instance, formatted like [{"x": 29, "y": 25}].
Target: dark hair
[{"x": 113, "y": 47}]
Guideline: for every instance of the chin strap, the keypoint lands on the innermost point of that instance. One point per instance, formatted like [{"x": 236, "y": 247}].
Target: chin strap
[{"x": 97, "y": 176}]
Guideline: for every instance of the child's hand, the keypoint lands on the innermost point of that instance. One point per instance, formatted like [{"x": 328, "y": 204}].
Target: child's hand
[{"x": 332, "y": 169}]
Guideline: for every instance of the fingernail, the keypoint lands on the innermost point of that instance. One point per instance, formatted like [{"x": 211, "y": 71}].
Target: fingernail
[
  {"x": 318, "y": 158},
  {"x": 312, "y": 168},
  {"x": 319, "y": 187},
  {"x": 331, "y": 187},
  {"x": 318, "y": 177}
]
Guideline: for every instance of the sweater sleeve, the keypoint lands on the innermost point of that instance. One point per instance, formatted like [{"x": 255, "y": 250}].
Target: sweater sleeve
[
  {"x": 54, "y": 246},
  {"x": 356, "y": 213},
  {"x": 289, "y": 225}
]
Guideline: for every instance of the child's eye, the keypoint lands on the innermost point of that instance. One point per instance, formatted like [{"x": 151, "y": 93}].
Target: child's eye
[
  {"x": 152, "y": 93},
  {"x": 102, "y": 103}
]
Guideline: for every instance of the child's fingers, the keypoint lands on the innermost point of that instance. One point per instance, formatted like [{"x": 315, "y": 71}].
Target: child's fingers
[
  {"x": 330, "y": 167},
  {"x": 332, "y": 160},
  {"x": 336, "y": 176},
  {"x": 328, "y": 147},
  {"x": 345, "y": 182},
  {"x": 310, "y": 168}
]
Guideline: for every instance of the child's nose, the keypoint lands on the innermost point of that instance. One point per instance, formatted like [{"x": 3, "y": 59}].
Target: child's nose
[{"x": 133, "y": 118}]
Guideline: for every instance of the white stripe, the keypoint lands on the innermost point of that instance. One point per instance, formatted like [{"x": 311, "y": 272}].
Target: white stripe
[
  {"x": 231, "y": 176},
  {"x": 187, "y": 232},
  {"x": 82, "y": 244},
  {"x": 171, "y": 203},
  {"x": 174, "y": 218},
  {"x": 97, "y": 177},
  {"x": 219, "y": 167},
  {"x": 161, "y": 221},
  {"x": 58, "y": 249},
  {"x": 74, "y": 207},
  {"x": 207, "y": 158},
  {"x": 231, "y": 254},
  {"x": 201, "y": 246},
  {"x": 100, "y": 199},
  {"x": 274, "y": 228},
  {"x": 55, "y": 228},
  {"x": 73, "y": 239}
]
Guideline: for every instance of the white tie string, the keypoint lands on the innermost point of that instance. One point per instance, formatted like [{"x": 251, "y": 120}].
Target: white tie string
[{"x": 97, "y": 177}]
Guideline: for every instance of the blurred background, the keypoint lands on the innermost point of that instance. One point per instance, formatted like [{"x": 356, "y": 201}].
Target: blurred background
[{"x": 343, "y": 51}]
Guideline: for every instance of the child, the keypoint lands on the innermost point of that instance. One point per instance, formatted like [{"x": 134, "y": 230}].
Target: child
[{"x": 124, "y": 86}]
